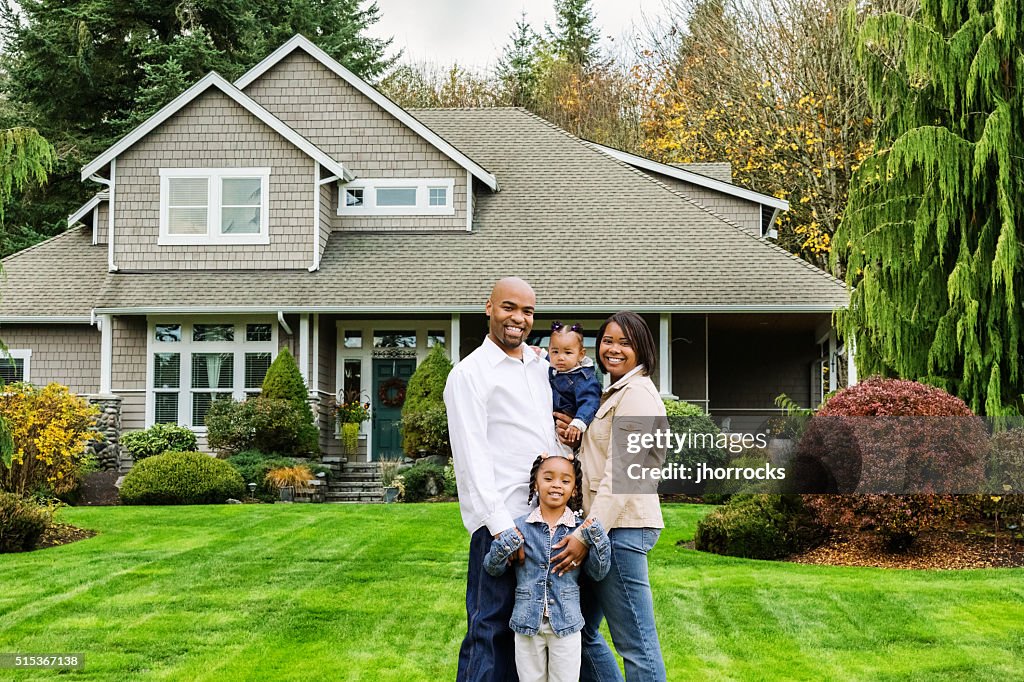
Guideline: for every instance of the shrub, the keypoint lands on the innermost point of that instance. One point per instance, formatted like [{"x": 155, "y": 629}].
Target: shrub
[
  {"x": 261, "y": 423},
  {"x": 254, "y": 466},
  {"x": 1006, "y": 461},
  {"x": 158, "y": 439},
  {"x": 422, "y": 481},
  {"x": 49, "y": 429},
  {"x": 684, "y": 417},
  {"x": 424, "y": 420},
  {"x": 22, "y": 523},
  {"x": 758, "y": 527},
  {"x": 719, "y": 492},
  {"x": 181, "y": 478},
  {"x": 429, "y": 429},
  {"x": 451, "y": 489},
  {"x": 878, "y": 456},
  {"x": 284, "y": 381}
]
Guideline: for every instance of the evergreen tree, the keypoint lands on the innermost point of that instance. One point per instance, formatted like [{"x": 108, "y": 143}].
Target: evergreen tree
[
  {"x": 25, "y": 159},
  {"x": 517, "y": 67},
  {"x": 575, "y": 37},
  {"x": 85, "y": 73},
  {"x": 284, "y": 381},
  {"x": 423, "y": 413},
  {"x": 932, "y": 235}
]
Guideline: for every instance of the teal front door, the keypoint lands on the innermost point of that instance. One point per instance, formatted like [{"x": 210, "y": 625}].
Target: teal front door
[{"x": 390, "y": 378}]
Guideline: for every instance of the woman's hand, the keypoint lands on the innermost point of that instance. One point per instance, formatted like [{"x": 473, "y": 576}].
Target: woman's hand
[
  {"x": 563, "y": 430},
  {"x": 571, "y": 558}
]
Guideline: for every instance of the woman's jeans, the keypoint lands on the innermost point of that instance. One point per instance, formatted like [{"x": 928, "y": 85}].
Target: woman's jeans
[{"x": 624, "y": 598}]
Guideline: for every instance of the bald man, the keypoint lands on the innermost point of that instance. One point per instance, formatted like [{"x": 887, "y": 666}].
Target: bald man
[{"x": 499, "y": 420}]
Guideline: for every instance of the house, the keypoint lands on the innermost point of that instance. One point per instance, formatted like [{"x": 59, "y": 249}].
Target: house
[{"x": 299, "y": 207}]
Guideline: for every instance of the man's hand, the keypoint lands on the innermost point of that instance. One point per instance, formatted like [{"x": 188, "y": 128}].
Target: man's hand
[
  {"x": 520, "y": 554},
  {"x": 571, "y": 558},
  {"x": 563, "y": 429}
]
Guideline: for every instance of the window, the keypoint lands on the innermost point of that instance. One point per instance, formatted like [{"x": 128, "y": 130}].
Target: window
[
  {"x": 395, "y": 196},
  {"x": 195, "y": 364},
  {"x": 353, "y": 338},
  {"x": 214, "y": 206},
  {"x": 14, "y": 366},
  {"x": 393, "y": 338},
  {"x": 435, "y": 337}
]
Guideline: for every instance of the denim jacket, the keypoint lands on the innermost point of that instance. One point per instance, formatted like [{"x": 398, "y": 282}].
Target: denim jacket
[
  {"x": 576, "y": 392},
  {"x": 536, "y": 584}
]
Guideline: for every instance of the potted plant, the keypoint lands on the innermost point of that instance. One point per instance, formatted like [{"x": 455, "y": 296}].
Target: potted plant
[
  {"x": 288, "y": 480},
  {"x": 350, "y": 415},
  {"x": 390, "y": 479}
]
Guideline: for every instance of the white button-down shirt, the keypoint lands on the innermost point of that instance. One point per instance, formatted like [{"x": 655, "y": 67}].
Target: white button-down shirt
[{"x": 499, "y": 420}]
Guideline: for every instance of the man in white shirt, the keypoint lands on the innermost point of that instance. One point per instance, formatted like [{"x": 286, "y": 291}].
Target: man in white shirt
[{"x": 499, "y": 419}]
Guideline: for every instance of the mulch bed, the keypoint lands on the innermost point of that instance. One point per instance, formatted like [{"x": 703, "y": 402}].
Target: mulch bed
[
  {"x": 63, "y": 534},
  {"x": 954, "y": 549}
]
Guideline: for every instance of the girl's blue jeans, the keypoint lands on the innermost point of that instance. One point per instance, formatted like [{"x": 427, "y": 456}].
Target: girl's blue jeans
[{"x": 624, "y": 598}]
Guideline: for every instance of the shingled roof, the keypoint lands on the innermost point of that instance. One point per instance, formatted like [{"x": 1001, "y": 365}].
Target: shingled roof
[
  {"x": 588, "y": 231},
  {"x": 58, "y": 278}
]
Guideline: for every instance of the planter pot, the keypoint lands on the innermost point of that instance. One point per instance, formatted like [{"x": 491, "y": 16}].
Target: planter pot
[{"x": 390, "y": 494}]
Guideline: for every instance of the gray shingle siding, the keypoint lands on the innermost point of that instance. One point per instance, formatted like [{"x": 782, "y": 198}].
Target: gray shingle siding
[
  {"x": 213, "y": 132},
  {"x": 102, "y": 222},
  {"x": 68, "y": 354},
  {"x": 128, "y": 369},
  {"x": 358, "y": 133}
]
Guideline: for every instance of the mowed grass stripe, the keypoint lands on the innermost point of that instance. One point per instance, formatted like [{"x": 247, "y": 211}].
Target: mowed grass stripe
[{"x": 332, "y": 592}]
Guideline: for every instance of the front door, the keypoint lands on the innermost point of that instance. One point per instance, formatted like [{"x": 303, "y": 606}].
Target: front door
[{"x": 390, "y": 378}]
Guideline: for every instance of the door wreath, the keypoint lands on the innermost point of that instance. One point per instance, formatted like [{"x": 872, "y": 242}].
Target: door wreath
[{"x": 392, "y": 392}]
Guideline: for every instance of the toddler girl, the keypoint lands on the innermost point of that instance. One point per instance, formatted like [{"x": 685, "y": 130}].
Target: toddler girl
[
  {"x": 546, "y": 617},
  {"x": 575, "y": 388}
]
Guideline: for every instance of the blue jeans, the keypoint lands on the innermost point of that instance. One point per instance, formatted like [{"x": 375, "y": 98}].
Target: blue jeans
[
  {"x": 624, "y": 598},
  {"x": 488, "y": 651}
]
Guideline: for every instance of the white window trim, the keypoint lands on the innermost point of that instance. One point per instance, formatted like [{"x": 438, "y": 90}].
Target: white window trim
[
  {"x": 213, "y": 212},
  {"x": 186, "y": 347},
  {"x": 23, "y": 354},
  {"x": 422, "y": 207}
]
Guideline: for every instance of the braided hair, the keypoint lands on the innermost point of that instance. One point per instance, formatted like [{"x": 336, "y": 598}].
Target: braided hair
[{"x": 575, "y": 503}]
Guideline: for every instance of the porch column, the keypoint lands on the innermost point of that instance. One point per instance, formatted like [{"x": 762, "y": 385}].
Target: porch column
[
  {"x": 455, "y": 342},
  {"x": 665, "y": 356},
  {"x": 304, "y": 347},
  {"x": 833, "y": 362},
  {"x": 106, "y": 352},
  {"x": 851, "y": 365}
]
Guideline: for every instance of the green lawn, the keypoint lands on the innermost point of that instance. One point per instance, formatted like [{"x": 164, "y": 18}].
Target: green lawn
[{"x": 304, "y": 592}]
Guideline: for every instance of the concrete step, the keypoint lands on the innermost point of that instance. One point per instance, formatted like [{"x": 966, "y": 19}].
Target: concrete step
[
  {"x": 333, "y": 459},
  {"x": 361, "y": 467},
  {"x": 364, "y": 496},
  {"x": 357, "y": 476},
  {"x": 353, "y": 486}
]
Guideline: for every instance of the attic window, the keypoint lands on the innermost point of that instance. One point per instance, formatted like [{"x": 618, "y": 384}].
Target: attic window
[
  {"x": 398, "y": 196},
  {"x": 214, "y": 206}
]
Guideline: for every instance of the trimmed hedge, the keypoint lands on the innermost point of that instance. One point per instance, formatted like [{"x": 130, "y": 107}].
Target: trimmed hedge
[
  {"x": 261, "y": 423},
  {"x": 424, "y": 420},
  {"x": 181, "y": 478},
  {"x": 284, "y": 381},
  {"x": 158, "y": 439},
  {"x": 22, "y": 523},
  {"x": 758, "y": 527}
]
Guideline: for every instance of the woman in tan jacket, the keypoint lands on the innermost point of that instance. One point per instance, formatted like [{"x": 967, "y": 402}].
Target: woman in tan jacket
[{"x": 626, "y": 352}]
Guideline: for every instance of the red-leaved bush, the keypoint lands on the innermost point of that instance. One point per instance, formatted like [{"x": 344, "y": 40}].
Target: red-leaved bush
[{"x": 889, "y": 435}]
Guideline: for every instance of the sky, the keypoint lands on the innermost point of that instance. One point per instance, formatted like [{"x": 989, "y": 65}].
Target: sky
[{"x": 473, "y": 32}]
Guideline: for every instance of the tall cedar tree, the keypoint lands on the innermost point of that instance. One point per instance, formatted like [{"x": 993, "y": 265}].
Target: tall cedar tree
[
  {"x": 85, "y": 73},
  {"x": 933, "y": 232}
]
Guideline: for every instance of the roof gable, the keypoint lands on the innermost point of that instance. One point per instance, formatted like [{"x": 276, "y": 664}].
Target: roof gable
[
  {"x": 215, "y": 80},
  {"x": 407, "y": 119}
]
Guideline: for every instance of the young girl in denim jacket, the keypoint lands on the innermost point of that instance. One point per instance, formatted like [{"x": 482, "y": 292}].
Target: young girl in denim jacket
[{"x": 546, "y": 618}]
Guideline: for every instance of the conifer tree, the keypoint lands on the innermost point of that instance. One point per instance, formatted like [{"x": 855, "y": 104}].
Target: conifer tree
[
  {"x": 517, "y": 68},
  {"x": 932, "y": 236},
  {"x": 575, "y": 37}
]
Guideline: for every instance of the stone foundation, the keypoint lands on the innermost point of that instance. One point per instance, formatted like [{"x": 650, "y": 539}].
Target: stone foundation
[{"x": 108, "y": 423}]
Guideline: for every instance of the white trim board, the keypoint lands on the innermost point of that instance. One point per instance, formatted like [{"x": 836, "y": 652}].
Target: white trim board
[
  {"x": 23, "y": 354},
  {"x": 88, "y": 206},
  {"x": 693, "y": 178},
  {"x": 299, "y": 41},
  {"x": 215, "y": 80},
  {"x": 475, "y": 308}
]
